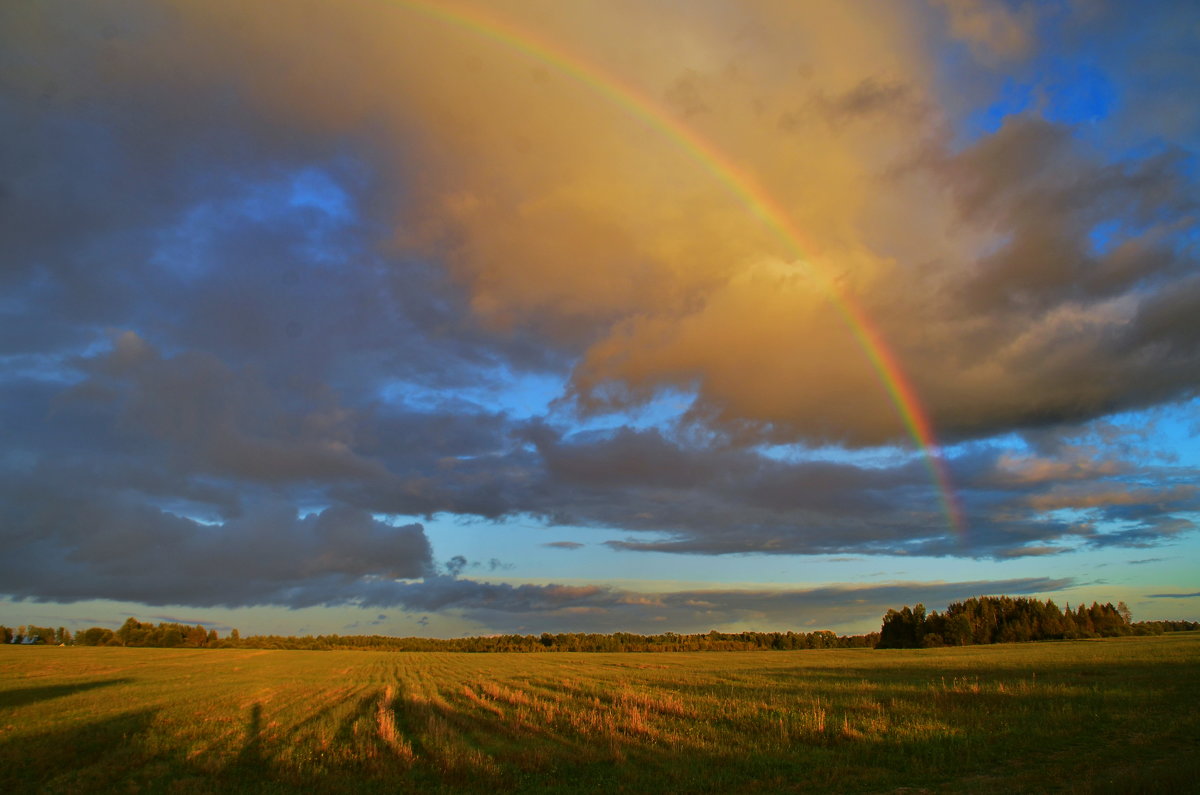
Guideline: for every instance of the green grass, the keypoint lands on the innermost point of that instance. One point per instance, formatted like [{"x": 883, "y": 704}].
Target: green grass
[{"x": 1117, "y": 715}]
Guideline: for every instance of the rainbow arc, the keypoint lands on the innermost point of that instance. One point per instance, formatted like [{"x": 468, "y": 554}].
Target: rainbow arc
[{"x": 753, "y": 196}]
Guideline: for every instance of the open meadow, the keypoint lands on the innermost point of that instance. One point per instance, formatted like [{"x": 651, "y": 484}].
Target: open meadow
[{"x": 1115, "y": 715}]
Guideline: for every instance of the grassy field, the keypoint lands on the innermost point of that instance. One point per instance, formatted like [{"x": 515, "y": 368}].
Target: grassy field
[{"x": 1120, "y": 715}]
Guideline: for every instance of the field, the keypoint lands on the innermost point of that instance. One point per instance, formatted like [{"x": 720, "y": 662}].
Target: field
[{"x": 1117, "y": 715}]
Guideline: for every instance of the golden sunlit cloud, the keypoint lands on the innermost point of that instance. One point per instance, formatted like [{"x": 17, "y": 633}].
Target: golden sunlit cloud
[{"x": 563, "y": 211}]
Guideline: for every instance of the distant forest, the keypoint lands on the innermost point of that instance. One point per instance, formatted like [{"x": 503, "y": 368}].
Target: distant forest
[
  {"x": 137, "y": 633},
  {"x": 981, "y": 620},
  {"x": 1003, "y": 619}
]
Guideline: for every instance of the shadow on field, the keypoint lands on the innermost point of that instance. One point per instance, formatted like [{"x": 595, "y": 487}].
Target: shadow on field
[
  {"x": 31, "y": 695},
  {"x": 251, "y": 755},
  {"x": 254, "y": 769},
  {"x": 85, "y": 757},
  {"x": 257, "y": 767}
]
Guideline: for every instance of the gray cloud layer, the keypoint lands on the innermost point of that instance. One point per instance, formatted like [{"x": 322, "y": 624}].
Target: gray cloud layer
[
  {"x": 559, "y": 608},
  {"x": 118, "y": 548}
]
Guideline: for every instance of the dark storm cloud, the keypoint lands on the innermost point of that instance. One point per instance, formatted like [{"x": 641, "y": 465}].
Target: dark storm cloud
[
  {"x": 1045, "y": 193},
  {"x": 1082, "y": 307},
  {"x": 715, "y": 501},
  {"x": 221, "y": 422},
  {"x": 153, "y": 195},
  {"x": 730, "y": 500},
  {"x": 112, "y": 547},
  {"x": 136, "y": 427},
  {"x": 203, "y": 311},
  {"x": 1146, "y": 531},
  {"x": 107, "y": 434}
]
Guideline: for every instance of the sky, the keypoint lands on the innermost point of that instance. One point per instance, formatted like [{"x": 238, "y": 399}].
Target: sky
[{"x": 442, "y": 319}]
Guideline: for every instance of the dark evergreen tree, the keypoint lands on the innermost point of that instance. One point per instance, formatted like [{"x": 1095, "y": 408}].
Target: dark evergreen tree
[{"x": 999, "y": 619}]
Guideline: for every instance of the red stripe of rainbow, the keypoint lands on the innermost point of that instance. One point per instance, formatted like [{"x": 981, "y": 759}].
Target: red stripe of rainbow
[{"x": 899, "y": 389}]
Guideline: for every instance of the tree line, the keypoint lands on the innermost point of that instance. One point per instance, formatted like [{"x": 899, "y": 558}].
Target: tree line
[
  {"x": 173, "y": 635},
  {"x": 979, "y": 620},
  {"x": 575, "y": 641},
  {"x": 1004, "y": 619},
  {"x": 132, "y": 633}
]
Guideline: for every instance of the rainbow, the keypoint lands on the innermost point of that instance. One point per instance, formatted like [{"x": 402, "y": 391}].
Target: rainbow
[{"x": 742, "y": 185}]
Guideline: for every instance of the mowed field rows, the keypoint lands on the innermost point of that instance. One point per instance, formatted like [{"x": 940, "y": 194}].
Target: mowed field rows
[{"x": 1114, "y": 715}]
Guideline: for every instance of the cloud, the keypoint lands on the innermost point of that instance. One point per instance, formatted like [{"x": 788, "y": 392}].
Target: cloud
[
  {"x": 674, "y": 283},
  {"x": 1033, "y": 470},
  {"x": 262, "y": 286},
  {"x": 530, "y": 608},
  {"x": 995, "y": 31},
  {"x": 220, "y": 421},
  {"x": 564, "y": 545},
  {"x": 664, "y": 494},
  {"x": 107, "y": 547},
  {"x": 1091, "y": 498},
  {"x": 1030, "y": 551},
  {"x": 699, "y": 500},
  {"x": 1173, "y": 595},
  {"x": 189, "y": 621}
]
